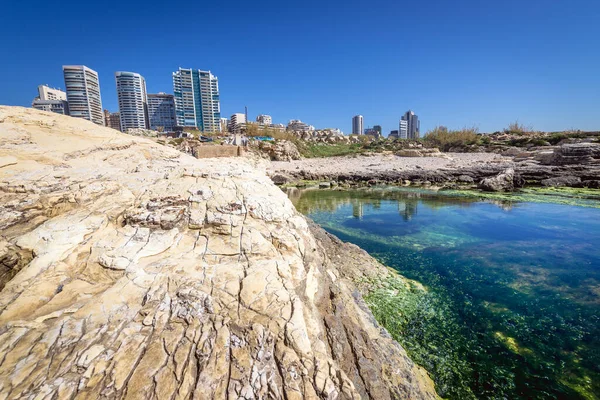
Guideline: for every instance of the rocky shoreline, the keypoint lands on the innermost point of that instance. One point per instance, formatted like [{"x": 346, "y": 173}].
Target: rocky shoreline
[
  {"x": 569, "y": 165},
  {"x": 132, "y": 270}
]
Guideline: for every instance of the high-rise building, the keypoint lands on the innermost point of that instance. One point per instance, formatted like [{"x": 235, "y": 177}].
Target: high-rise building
[
  {"x": 413, "y": 125},
  {"x": 236, "y": 122},
  {"x": 403, "y": 129},
  {"x": 83, "y": 93},
  {"x": 197, "y": 101},
  {"x": 112, "y": 120},
  {"x": 161, "y": 112},
  {"x": 393, "y": 135},
  {"x": 133, "y": 100},
  {"x": 264, "y": 119},
  {"x": 55, "y": 106},
  {"x": 45, "y": 92},
  {"x": 357, "y": 125}
]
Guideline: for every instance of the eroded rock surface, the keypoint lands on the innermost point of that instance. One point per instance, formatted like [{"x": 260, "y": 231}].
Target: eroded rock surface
[{"x": 132, "y": 270}]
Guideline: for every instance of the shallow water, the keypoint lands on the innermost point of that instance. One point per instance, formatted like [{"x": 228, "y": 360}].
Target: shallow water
[{"x": 512, "y": 308}]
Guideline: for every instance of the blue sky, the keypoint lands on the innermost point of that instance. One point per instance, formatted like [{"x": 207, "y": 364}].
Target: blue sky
[{"x": 455, "y": 63}]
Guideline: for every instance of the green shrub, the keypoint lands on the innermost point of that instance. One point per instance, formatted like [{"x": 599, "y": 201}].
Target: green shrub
[
  {"x": 518, "y": 128},
  {"x": 444, "y": 139}
]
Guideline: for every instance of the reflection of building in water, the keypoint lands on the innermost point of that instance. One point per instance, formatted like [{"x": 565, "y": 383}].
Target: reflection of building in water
[
  {"x": 357, "y": 209},
  {"x": 408, "y": 208}
]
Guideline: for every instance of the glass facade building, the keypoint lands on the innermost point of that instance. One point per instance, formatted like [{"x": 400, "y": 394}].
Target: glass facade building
[
  {"x": 83, "y": 93},
  {"x": 410, "y": 124},
  {"x": 161, "y": 112},
  {"x": 197, "y": 102},
  {"x": 357, "y": 125}
]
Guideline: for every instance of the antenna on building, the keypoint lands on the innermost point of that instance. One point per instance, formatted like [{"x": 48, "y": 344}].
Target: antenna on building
[{"x": 246, "y": 107}]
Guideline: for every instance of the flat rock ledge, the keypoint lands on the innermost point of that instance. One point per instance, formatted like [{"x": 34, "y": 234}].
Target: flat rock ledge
[{"x": 131, "y": 270}]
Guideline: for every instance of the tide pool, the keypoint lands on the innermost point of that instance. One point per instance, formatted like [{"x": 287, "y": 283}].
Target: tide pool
[{"x": 512, "y": 301}]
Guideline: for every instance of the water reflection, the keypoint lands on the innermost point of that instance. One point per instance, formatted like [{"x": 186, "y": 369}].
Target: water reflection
[
  {"x": 522, "y": 280},
  {"x": 312, "y": 200}
]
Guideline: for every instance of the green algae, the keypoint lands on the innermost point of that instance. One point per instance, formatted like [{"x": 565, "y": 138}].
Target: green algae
[
  {"x": 505, "y": 317},
  {"x": 579, "y": 197}
]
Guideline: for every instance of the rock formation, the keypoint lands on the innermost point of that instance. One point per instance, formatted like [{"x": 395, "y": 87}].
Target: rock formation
[
  {"x": 280, "y": 150},
  {"x": 505, "y": 181},
  {"x": 130, "y": 269}
]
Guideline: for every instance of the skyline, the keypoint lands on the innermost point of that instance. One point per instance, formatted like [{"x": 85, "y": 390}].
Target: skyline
[{"x": 470, "y": 64}]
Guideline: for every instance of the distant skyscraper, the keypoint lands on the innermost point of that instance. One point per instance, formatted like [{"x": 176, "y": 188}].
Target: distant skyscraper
[
  {"x": 413, "y": 125},
  {"x": 47, "y": 93},
  {"x": 133, "y": 100},
  {"x": 83, "y": 93},
  {"x": 357, "y": 125},
  {"x": 393, "y": 135},
  {"x": 161, "y": 112},
  {"x": 378, "y": 129},
  {"x": 197, "y": 101},
  {"x": 264, "y": 119},
  {"x": 403, "y": 129},
  {"x": 112, "y": 120}
]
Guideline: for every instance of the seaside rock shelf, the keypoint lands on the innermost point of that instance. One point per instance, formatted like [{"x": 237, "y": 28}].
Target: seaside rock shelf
[
  {"x": 131, "y": 270},
  {"x": 572, "y": 165}
]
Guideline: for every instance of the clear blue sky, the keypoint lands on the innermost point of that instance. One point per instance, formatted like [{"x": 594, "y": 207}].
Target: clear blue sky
[{"x": 456, "y": 63}]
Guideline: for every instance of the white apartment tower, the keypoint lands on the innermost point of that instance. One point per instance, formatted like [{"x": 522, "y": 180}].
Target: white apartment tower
[
  {"x": 403, "y": 129},
  {"x": 133, "y": 100},
  {"x": 83, "y": 93},
  {"x": 357, "y": 125},
  {"x": 413, "y": 126}
]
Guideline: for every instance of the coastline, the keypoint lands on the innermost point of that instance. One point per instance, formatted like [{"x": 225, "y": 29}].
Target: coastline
[
  {"x": 467, "y": 170},
  {"x": 132, "y": 269}
]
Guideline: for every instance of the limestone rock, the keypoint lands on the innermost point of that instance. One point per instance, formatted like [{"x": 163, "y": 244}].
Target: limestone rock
[
  {"x": 577, "y": 153},
  {"x": 281, "y": 150},
  {"x": 503, "y": 182},
  {"x": 281, "y": 179},
  {"x": 133, "y": 270},
  {"x": 562, "y": 181}
]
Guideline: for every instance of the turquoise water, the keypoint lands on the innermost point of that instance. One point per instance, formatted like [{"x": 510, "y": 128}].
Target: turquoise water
[{"x": 512, "y": 307}]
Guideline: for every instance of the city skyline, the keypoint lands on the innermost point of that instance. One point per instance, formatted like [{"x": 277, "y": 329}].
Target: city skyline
[
  {"x": 521, "y": 69},
  {"x": 133, "y": 103}
]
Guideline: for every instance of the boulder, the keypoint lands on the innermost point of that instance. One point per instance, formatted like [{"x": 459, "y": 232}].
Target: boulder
[
  {"x": 281, "y": 179},
  {"x": 284, "y": 150},
  {"x": 503, "y": 182}
]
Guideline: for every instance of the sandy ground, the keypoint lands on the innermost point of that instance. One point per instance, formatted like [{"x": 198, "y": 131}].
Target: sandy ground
[{"x": 381, "y": 162}]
